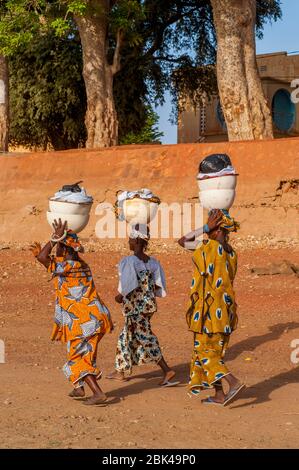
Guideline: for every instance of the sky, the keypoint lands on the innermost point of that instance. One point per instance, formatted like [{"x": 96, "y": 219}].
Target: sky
[{"x": 280, "y": 36}]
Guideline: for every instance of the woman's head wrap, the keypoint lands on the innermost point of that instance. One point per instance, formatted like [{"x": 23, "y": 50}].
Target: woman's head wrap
[
  {"x": 228, "y": 222},
  {"x": 140, "y": 231},
  {"x": 72, "y": 241}
]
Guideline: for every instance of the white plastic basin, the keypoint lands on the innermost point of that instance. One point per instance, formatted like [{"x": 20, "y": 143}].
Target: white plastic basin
[
  {"x": 218, "y": 192},
  {"x": 139, "y": 211},
  {"x": 75, "y": 222},
  {"x": 217, "y": 198},
  {"x": 220, "y": 182},
  {"x": 62, "y": 207}
]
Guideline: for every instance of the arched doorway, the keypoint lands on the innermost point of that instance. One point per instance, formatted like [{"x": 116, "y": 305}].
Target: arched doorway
[{"x": 283, "y": 110}]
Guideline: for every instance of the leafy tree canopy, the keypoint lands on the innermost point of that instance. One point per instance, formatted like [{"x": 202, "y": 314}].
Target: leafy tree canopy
[
  {"x": 47, "y": 94},
  {"x": 149, "y": 133},
  {"x": 167, "y": 45}
]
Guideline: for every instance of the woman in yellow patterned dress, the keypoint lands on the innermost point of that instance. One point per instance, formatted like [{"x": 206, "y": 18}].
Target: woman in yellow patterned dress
[
  {"x": 81, "y": 318},
  {"x": 212, "y": 315}
]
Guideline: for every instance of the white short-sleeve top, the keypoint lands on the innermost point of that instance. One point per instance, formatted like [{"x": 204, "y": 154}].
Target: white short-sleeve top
[{"x": 130, "y": 266}]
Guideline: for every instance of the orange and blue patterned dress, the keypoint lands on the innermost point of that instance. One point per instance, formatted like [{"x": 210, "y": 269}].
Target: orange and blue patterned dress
[{"x": 81, "y": 317}]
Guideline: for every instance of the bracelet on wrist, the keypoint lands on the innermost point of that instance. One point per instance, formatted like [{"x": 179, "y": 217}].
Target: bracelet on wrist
[{"x": 56, "y": 240}]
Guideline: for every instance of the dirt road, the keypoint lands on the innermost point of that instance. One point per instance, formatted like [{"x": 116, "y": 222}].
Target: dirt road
[{"x": 37, "y": 413}]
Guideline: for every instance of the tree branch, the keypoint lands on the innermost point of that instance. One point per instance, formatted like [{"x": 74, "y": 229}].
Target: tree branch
[
  {"x": 169, "y": 59},
  {"x": 116, "y": 65},
  {"x": 161, "y": 28}
]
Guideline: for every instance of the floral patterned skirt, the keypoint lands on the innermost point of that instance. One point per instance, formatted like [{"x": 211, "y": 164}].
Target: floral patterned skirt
[{"x": 137, "y": 344}]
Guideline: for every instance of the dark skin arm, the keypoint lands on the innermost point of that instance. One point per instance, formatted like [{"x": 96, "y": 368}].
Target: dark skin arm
[
  {"x": 119, "y": 298},
  {"x": 213, "y": 222},
  {"x": 44, "y": 254}
]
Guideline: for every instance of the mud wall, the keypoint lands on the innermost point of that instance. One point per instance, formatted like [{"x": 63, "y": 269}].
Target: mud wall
[{"x": 267, "y": 191}]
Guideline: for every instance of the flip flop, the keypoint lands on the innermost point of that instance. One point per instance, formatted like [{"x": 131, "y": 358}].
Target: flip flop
[
  {"x": 232, "y": 394},
  {"x": 169, "y": 384},
  {"x": 91, "y": 401},
  {"x": 210, "y": 401}
]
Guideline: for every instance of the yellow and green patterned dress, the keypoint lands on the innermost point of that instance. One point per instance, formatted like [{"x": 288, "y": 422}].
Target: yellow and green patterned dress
[{"x": 211, "y": 314}]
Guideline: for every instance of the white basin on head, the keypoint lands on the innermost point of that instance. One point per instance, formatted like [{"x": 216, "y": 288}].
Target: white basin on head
[
  {"x": 139, "y": 211},
  {"x": 217, "y": 198},
  {"x": 63, "y": 207},
  {"x": 219, "y": 182},
  {"x": 75, "y": 222},
  {"x": 217, "y": 192}
]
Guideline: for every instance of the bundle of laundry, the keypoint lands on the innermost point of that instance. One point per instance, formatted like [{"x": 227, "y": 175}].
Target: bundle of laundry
[
  {"x": 217, "y": 180},
  {"x": 136, "y": 207},
  {"x": 72, "y": 204},
  {"x": 72, "y": 193}
]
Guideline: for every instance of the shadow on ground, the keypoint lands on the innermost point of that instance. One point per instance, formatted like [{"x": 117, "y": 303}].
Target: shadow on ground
[
  {"x": 150, "y": 381},
  {"x": 262, "y": 390},
  {"x": 253, "y": 342}
]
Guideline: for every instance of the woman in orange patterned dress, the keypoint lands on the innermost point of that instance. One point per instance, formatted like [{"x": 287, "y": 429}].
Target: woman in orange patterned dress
[{"x": 81, "y": 318}]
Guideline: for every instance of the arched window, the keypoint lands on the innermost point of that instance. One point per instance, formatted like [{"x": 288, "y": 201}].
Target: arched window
[
  {"x": 220, "y": 116},
  {"x": 283, "y": 110}
]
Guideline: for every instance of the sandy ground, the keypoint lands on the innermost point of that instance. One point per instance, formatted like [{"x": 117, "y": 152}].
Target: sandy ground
[{"x": 37, "y": 413}]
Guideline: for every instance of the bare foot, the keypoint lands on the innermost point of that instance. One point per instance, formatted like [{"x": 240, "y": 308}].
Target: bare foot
[
  {"x": 116, "y": 376},
  {"x": 77, "y": 393},
  {"x": 96, "y": 400},
  {"x": 167, "y": 377}
]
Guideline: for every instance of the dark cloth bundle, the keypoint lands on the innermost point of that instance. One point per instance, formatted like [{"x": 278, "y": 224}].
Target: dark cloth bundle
[
  {"x": 73, "y": 188},
  {"x": 214, "y": 163}
]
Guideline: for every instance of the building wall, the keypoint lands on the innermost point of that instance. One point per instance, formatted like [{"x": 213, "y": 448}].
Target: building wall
[
  {"x": 279, "y": 65},
  {"x": 277, "y": 72},
  {"x": 266, "y": 197},
  {"x": 270, "y": 88}
]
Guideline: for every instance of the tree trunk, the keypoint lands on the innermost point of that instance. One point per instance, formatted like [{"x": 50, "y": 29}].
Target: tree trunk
[
  {"x": 4, "y": 105},
  {"x": 244, "y": 105},
  {"x": 101, "y": 117}
]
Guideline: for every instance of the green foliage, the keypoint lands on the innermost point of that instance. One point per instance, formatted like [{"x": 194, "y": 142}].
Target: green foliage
[
  {"x": 130, "y": 94},
  {"x": 201, "y": 83},
  {"x": 125, "y": 16},
  {"x": 266, "y": 10},
  {"x": 17, "y": 26},
  {"x": 149, "y": 132},
  {"x": 179, "y": 39},
  {"x": 61, "y": 26},
  {"x": 47, "y": 94},
  {"x": 169, "y": 44},
  {"x": 78, "y": 7}
]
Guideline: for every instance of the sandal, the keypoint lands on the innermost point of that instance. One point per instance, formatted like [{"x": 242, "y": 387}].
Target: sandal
[
  {"x": 95, "y": 401},
  {"x": 210, "y": 401},
  {"x": 167, "y": 383},
  {"x": 232, "y": 394}
]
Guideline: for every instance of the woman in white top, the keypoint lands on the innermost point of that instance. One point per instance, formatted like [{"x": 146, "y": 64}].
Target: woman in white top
[{"x": 141, "y": 280}]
